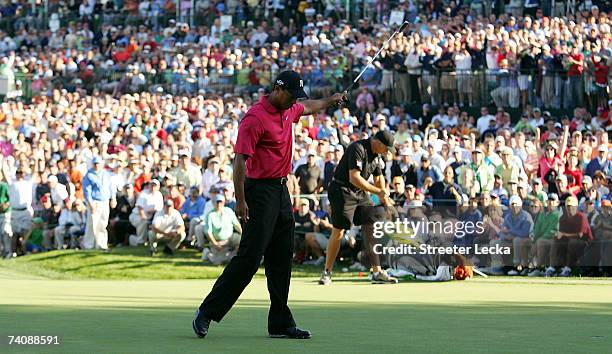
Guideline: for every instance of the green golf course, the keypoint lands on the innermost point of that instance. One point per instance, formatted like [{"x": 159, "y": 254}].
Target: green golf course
[{"x": 124, "y": 315}]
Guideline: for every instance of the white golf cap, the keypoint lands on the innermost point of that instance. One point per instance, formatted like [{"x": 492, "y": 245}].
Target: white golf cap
[{"x": 515, "y": 200}]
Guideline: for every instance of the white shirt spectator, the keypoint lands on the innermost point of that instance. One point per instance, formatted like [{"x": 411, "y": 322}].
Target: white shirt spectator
[
  {"x": 442, "y": 118},
  {"x": 438, "y": 161},
  {"x": 258, "y": 36},
  {"x": 149, "y": 202},
  {"x": 59, "y": 193},
  {"x": 482, "y": 123},
  {"x": 209, "y": 179},
  {"x": 167, "y": 222},
  {"x": 463, "y": 62},
  {"x": 20, "y": 194}
]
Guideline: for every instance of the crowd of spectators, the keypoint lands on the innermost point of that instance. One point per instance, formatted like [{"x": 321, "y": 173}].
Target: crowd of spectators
[{"x": 141, "y": 119}]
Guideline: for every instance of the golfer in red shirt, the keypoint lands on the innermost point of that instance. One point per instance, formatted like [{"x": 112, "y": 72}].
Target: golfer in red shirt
[{"x": 263, "y": 160}]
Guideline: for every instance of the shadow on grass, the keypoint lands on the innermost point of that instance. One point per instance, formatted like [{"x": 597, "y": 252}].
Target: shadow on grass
[
  {"x": 125, "y": 263},
  {"x": 337, "y": 327}
]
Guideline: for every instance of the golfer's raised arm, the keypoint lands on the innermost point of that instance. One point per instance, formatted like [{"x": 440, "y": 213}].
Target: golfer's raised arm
[{"x": 314, "y": 106}]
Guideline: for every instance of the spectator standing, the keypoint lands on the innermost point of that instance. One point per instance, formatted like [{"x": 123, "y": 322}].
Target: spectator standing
[
  {"x": 100, "y": 196},
  {"x": 6, "y": 231},
  {"x": 310, "y": 176},
  {"x": 120, "y": 226},
  {"x": 20, "y": 196}
]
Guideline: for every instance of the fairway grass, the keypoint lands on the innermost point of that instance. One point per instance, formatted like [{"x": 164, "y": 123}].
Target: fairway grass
[
  {"x": 125, "y": 263},
  {"x": 494, "y": 315}
]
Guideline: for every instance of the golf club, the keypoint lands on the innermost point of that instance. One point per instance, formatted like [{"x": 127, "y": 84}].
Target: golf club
[{"x": 355, "y": 84}]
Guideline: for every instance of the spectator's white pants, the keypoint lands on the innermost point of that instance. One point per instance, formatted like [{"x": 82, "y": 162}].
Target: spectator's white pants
[
  {"x": 192, "y": 226},
  {"x": 173, "y": 242},
  {"x": 514, "y": 97},
  {"x": 500, "y": 96},
  {"x": 141, "y": 225},
  {"x": 200, "y": 235},
  {"x": 21, "y": 220},
  {"x": 7, "y": 233},
  {"x": 220, "y": 256},
  {"x": 97, "y": 221},
  {"x": 59, "y": 233}
]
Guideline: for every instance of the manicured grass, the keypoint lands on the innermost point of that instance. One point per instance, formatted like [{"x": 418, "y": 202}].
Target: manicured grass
[
  {"x": 494, "y": 315},
  {"x": 125, "y": 263}
]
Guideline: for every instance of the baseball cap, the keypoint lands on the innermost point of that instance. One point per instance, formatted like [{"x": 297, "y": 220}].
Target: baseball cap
[
  {"x": 404, "y": 152},
  {"x": 292, "y": 82},
  {"x": 219, "y": 198},
  {"x": 387, "y": 139},
  {"x": 553, "y": 196},
  {"x": 38, "y": 220},
  {"x": 168, "y": 203},
  {"x": 52, "y": 179},
  {"x": 154, "y": 181},
  {"x": 536, "y": 181},
  {"x": 571, "y": 201},
  {"x": 602, "y": 148},
  {"x": 515, "y": 200},
  {"x": 561, "y": 178},
  {"x": 587, "y": 179}
]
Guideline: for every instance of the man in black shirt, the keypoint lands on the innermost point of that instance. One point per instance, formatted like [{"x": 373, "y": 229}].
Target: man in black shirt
[
  {"x": 405, "y": 167},
  {"x": 401, "y": 75},
  {"x": 528, "y": 68},
  {"x": 350, "y": 203},
  {"x": 387, "y": 83},
  {"x": 445, "y": 193},
  {"x": 309, "y": 176},
  {"x": 120, "y": 225}
]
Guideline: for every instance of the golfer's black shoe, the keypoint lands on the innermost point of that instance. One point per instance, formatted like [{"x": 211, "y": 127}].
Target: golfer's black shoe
[
  {"x": 292, "y": 333},
  {"x": 168, "y": 251},
  {"x": 200, "y": 324}
]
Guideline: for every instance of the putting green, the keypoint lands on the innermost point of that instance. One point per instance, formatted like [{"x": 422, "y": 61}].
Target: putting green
[{"x": 481, "y": 315}]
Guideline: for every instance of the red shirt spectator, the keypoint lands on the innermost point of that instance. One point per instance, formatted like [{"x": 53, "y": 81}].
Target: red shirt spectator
[{"x": 576, "y": 69}]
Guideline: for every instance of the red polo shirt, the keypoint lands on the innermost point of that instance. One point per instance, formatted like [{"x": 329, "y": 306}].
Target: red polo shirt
[{"x": 265, "y": 136}]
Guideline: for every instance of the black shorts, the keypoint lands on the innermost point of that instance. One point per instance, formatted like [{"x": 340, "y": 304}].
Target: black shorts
[{"x": 352, "y": 207}]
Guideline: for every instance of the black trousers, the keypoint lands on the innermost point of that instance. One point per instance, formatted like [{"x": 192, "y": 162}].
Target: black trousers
[{"x": 268, "y": 233}]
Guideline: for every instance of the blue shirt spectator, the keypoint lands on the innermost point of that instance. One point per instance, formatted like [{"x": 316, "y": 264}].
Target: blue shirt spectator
[
  {"x": 97, "y": 183},
  {"x": 518, "y": 222},
  {"x": 193, "y": 208}
]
